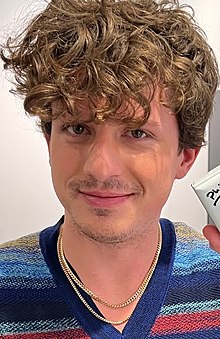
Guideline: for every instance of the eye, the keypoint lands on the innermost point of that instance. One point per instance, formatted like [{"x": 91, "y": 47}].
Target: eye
[
  {"x": 75, "y": 129},
  {"x": 138, "y": 134}
]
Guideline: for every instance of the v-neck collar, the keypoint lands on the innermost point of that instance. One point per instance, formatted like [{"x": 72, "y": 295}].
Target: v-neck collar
[{"x": 148, "y": 307}]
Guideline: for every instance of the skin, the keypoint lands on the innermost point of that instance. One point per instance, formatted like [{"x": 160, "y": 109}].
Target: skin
[
  {"x": 113, "y": 183},
  {"x": 212, "y": 234}
]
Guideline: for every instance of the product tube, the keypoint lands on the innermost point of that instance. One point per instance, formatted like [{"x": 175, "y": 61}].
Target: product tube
[{"x": 208, "y": 190}]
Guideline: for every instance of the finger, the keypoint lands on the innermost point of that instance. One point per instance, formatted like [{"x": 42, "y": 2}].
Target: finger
[{"x": 212, "y": 234}]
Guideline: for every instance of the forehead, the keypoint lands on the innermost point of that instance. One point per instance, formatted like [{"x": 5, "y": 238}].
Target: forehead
[{"x": 98, "y": 110}]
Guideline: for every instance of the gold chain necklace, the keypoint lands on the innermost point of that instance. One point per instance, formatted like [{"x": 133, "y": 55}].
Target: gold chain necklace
[
  {"x": 138, "y": 292},
  {"x": 73, "y": 280}
]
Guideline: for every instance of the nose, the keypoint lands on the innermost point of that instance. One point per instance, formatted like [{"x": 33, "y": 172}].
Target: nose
[{"x": 103, "y": 159}]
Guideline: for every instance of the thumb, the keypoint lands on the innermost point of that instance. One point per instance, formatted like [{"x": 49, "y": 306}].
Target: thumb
[{"x": 212, "y": 234}]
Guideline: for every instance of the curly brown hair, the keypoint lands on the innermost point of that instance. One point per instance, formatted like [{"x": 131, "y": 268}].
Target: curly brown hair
[{"x": 112, "y": 49}]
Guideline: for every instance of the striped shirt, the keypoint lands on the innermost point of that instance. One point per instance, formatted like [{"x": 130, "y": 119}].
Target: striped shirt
[{"x": 181, "y": 301}]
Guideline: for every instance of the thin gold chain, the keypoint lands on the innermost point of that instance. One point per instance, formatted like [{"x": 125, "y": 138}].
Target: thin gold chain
[
  {"x": 138, "y": 293},
  {"x": 74, "y": 281}
]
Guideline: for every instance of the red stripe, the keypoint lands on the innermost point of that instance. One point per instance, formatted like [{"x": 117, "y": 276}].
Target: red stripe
[
  {"x": 181, "y": 323},
  {"x": 73, "y": 334}
]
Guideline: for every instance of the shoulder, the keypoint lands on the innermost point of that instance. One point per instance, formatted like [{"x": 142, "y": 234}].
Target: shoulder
[
  {"x": 188, "y": 235},
  {"x": 26, "y": 246},
  {"x": 22, "y": 258},
  {"x": 189, "y": 238},
  {"x": 30, "y": 240},
  {"x": 192, "y": 250}
]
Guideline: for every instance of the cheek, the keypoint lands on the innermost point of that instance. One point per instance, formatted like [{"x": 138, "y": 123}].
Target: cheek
[
  {"x": 147, "y": 167},
  {"x": 64, "y": 163},
  {"x": 156, "y": 172}
]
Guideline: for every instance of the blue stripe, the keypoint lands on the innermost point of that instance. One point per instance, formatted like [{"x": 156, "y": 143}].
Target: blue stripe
[
  {"x": 38, "y": 270},
  {"x": 40, "y": 292},
  {"x": 190, "y": 307},
  {"x": 39, "y": 326}
]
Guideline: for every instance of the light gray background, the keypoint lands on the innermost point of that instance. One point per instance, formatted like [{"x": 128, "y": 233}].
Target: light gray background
[
  {"x": 214, "y": 135},
  {"x": 27, "y": 200}
]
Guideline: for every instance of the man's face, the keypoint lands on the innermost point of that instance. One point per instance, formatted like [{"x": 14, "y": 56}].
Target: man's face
[{"x": 114, "y": 181}]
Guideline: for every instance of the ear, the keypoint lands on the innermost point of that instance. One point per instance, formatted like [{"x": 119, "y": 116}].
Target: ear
[{"x": 187, "y": 158}]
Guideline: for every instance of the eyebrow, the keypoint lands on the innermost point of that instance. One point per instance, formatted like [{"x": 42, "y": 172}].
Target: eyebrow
[{"x": 69, "y": 119}]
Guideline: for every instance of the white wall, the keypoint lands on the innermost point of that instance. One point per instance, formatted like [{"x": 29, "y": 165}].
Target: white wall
[{"x": 27, "y": 200}]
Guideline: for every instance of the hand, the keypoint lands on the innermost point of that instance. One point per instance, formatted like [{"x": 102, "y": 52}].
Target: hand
[{"x": 212, "y": 234}]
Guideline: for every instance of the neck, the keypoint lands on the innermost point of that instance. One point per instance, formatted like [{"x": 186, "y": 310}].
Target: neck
[
  {"x": 103, "y": 267},
  {"x": 108, "y": 271}
]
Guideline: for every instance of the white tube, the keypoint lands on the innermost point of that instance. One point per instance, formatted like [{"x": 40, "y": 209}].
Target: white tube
[{"x": 208, "y": 190}]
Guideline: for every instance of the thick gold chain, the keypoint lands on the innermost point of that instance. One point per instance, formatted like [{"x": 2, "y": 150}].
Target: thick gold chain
[{"x": 75, "y": 281}]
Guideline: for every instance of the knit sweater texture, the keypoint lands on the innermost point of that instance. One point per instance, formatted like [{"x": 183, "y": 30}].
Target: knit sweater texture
[{"x": 181, "y": 301}]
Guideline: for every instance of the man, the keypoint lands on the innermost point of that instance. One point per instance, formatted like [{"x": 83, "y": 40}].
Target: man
[{"x": 123, "y": 91}]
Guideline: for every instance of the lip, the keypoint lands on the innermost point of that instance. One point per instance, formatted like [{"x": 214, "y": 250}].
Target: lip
[{"x": 105, "y": 199}]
